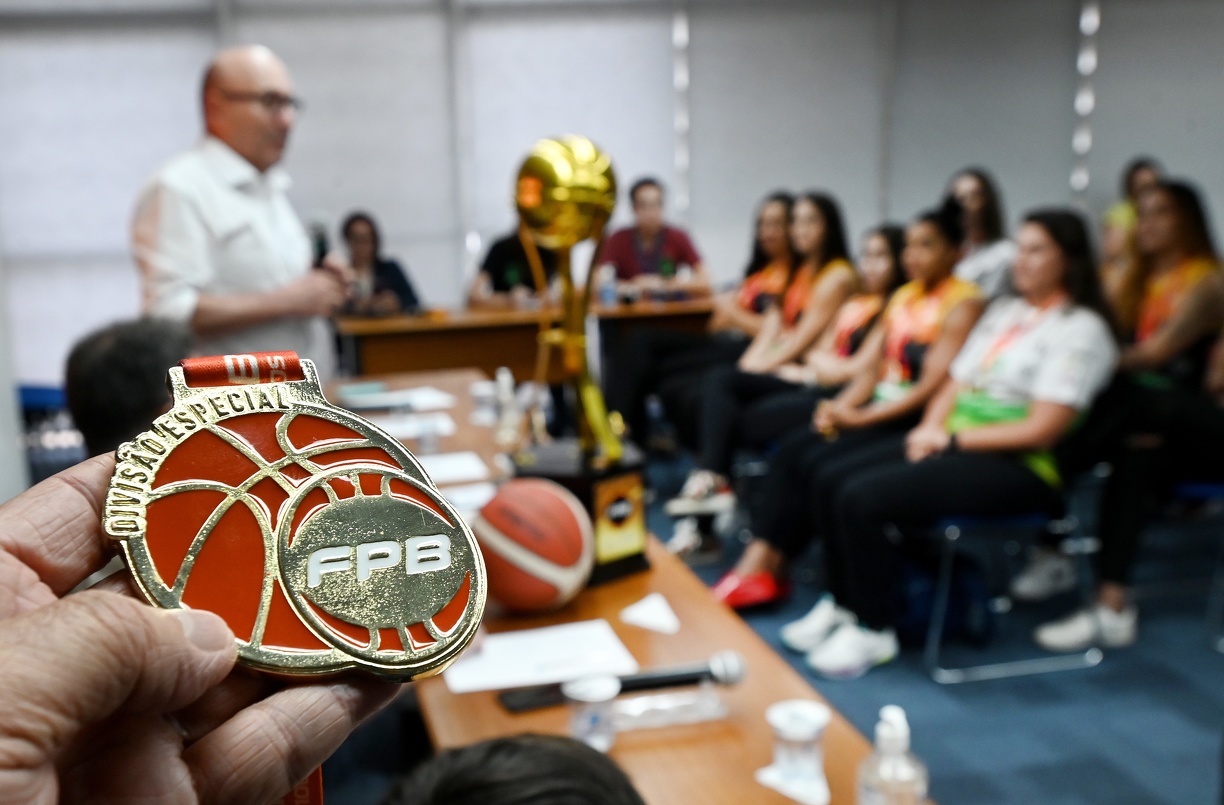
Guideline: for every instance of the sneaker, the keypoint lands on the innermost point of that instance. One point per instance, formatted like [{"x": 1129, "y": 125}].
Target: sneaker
[
  {"x": 810, "y": 631},
  {"x": 851, "y": 651},
  {"x": 1047, "y": 574},
  {"x": 750, "y": 590},
  {"x": 692, "y": 545},
  {"x": 1095, "y": 626},
  {"x": 704, "y": 492}
]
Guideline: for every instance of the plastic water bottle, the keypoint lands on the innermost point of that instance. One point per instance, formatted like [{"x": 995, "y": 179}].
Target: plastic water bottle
[
  {"x": 607, "y": 285},
  {"x": 891, "y": 775}
]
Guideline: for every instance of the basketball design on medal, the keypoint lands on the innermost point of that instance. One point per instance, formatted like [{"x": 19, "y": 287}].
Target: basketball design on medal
[{"x": 317, "y": 537}]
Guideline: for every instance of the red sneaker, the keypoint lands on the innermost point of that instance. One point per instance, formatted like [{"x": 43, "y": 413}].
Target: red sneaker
[{"x": 750, "y": 590}]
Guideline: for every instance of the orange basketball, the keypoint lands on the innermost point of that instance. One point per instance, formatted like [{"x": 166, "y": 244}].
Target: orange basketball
[{"x": 538, "y": 545}]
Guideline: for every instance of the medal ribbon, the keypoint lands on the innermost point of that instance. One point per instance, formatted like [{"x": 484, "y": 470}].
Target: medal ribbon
[{"x": 242, "y": 370}]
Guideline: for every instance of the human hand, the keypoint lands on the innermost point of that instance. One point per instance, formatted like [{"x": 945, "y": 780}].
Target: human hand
[
  {"x": 334, "y": 263},
  {"x": 925, "y": 441},
  {"x": 107, "y": 698},
  {"x": 318, "y": 292},
  {"x": 793, "y": 373},
  {"x": 384, "y": 303}
]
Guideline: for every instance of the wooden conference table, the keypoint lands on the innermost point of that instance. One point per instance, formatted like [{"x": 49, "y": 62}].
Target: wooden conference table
[
  {"x": 706, "y": 763},
  {"x": 487, "y": 339}
]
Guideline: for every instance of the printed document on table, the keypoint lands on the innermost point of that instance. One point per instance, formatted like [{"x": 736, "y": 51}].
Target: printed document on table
[{"x": 541, "y": 657}]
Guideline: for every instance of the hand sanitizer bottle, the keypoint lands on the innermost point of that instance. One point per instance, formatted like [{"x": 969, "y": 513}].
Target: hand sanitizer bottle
[{"x": 891, "y": 775}]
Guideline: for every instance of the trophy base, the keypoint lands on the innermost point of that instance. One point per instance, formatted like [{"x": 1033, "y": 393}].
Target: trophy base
[{"x": 613, "y": 495}]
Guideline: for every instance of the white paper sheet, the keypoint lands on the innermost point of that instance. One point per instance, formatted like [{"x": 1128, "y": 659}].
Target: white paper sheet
[
  {"x": 367, "y": 396},
  {"x": 454, "y": 468},
  {"x": 411, "y": 426},
  {"x": 468, "y": 499},
  {"x": 652, "y": 612},
  {"x": 540, "y": 657}
]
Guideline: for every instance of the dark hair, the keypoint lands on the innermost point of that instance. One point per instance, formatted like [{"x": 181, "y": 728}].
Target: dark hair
[
  {"x": 116, "y": 379},
  {"x": 948, "y": 218},
  {"x": 759, "y": 258},
  {"x": 1081, "y": 280},
  {"x": 647, "y": 181},
  {"x": 358, "y": 217},
  {"x": 1196, "y": 241},
  {"x": 894, "y": 235},
  {"x": 520, "y": 770},
  {"x": 992, "y": 206},
  {"x": 834, "y": 246},
  {"x": 1133, "y": 167}
]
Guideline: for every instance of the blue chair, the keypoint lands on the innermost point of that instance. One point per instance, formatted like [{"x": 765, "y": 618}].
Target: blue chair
[{"x": 950, "y": 531}]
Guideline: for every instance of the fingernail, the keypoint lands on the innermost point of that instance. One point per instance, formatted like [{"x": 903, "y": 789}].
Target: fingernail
[{"x": 204, "y": 630}]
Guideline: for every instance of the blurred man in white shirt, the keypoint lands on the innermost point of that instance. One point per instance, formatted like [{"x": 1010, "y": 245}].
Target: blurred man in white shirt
[{"x": 216, "y": 240}]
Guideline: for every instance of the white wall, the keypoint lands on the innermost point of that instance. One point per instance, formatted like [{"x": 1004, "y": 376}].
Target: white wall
[
  {"x": 988, "y": 84},
  {"x": 419, "y": 111},
  {"x": 783, "y": 97},
  {"x": 1159, "y": 92}
]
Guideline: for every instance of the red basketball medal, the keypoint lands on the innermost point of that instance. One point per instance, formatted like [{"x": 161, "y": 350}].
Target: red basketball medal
[{"x": 316, "y": 535}]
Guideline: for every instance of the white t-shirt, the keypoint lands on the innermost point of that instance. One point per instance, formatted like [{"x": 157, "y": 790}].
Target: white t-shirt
[
  {"x": 989, "y": 267},
  {"x": 1018, "y": 353},
  {"x": 209, "y": 222}
]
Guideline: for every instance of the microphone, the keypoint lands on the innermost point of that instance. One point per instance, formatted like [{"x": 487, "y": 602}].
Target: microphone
[{"x": 723, "y": 668}]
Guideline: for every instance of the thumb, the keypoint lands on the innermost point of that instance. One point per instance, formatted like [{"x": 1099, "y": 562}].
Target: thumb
[{"x": 80, "y": 660}]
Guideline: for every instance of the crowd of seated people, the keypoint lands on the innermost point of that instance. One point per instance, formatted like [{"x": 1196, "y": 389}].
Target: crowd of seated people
[{"x": 964, "y": 373}]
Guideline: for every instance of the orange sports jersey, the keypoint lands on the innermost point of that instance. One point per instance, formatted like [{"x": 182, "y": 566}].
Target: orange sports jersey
[
  {"x": 916, "y": 316},
  {"x": 769, "y": 282},
  {"x": 852, "y": 317},
  {"x": 800, "y": 288},
  {"x": 1165, "y": 294}
]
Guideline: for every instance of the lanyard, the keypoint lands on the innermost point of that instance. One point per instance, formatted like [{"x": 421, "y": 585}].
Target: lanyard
[{"x": 1028, "y": 322}]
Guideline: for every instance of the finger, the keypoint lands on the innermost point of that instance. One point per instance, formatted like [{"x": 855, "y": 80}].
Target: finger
[
  {"x": 55, "y": 528},
  {"x": 88, "y": 657},
  {"x": 239, "y": 690},
  {"x": 265, "y": 750}
]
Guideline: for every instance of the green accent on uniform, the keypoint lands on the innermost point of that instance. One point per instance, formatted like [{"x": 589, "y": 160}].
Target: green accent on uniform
[
  {"x": 667, "y": 269},
  {"x": 513, "y": 275},
  {"x": 1153, "y": 380},
  {"x": 890, "y": 391},
  {"x": 974, "y": 409}
]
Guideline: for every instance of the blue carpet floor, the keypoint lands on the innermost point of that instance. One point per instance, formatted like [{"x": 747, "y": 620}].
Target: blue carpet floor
[{"x": 1145, "y": 726}]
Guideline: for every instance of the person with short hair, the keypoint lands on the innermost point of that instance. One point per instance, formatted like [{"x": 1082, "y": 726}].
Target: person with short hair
[
  {"x": 381, "y": 286},
  {"x": 116, "y": 379},
  {"x": 517, "y": 770},
  {"x": 653, "y": 254},
  {"x": 217, "y": 242},
  {"x": 506, "y": 278}
]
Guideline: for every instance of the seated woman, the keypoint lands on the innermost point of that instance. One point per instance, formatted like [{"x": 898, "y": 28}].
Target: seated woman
[
  {"x": 987, "y": 254},
  {"x": 1118, "y": 235},
  {"x": 912, "y": 345},
  {"x": 649, "y": 356},
  {"x": 1155, "y": 425},
  {"x": 505, "y": 278},
  {"x": 382, "y": 287},
  {"x": 1029, "y": 370},
  {"x": 755, "y": 408}
]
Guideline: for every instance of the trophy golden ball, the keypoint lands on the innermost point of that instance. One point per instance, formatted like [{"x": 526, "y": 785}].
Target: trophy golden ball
[{"x": 566, "y": 191}]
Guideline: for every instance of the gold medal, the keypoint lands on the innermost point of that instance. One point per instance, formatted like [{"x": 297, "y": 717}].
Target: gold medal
[{"x": 318, "y": 537}]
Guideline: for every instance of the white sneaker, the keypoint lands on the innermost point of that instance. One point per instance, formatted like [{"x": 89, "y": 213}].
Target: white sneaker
[
  {"x": 1095, "y": 626},
  {"x": 852, "y": 651},
  {"x": 811, "y": 630},
  {"x": 704, "y": 492},
  {"x": 1047, "y": 574}
]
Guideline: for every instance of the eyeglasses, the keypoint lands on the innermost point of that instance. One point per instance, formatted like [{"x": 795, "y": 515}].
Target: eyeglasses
[{"x": 272, "y": 102}]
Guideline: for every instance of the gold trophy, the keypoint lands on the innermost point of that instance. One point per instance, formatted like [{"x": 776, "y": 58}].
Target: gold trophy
[{"x": 565, "y": 194}]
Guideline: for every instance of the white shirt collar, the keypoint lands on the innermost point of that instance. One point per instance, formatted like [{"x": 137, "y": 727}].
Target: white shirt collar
[{"x": 237, "y": 171}]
